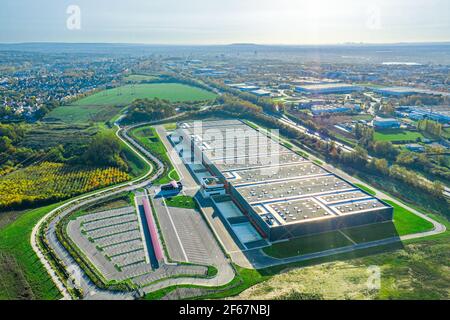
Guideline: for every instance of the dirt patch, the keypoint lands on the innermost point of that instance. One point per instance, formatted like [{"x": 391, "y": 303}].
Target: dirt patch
[{"x": 13, "y": 285}]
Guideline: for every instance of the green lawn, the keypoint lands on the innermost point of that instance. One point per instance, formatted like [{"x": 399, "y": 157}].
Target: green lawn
[
  {"x": 307, "y": 244},
  {"x": 397, "y": 135},
  {"x": 184, "y": 202},
  {"x": 124, "y": 95},
  {"x": 148, "y": 137},
  {"x": 139, "y": 78},
  {"x": 407, "y": 222},
  {"x": 22, "y": 276},
  {"x": 366, "y": 189},
  {"x": 316, "y": 161},
  {"x": 83, "y": 114}
]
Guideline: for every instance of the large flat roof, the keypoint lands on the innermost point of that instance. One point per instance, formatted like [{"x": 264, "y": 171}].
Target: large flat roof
[
  {"x": 238, "y": 152},
  {"x": 284, "y": 190},
  {"x": 275, "y": 173},
  {"x": 280, "y": 185},
  {"x": 322, "y": 86},
  {"x": 259, "y": 162}
]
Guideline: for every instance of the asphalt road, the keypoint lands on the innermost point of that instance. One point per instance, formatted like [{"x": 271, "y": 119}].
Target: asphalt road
[{"x": 90, "y": 291}]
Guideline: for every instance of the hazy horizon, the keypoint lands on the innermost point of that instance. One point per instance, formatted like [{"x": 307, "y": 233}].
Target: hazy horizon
[{"x": 208, "y": 22}]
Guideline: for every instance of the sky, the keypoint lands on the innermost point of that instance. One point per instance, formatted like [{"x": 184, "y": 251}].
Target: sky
[{"x": 225, "y": 21}]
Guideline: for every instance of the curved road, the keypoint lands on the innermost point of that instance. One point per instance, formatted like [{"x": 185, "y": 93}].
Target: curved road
[{"x": 90, "y": 291}]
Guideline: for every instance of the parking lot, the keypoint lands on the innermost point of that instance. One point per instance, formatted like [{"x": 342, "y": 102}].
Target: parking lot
[
  {"x": 187, "y": 237},
  {"x": 112, "y": 240}
]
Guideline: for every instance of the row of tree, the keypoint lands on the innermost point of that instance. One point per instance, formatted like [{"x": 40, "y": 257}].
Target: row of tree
[
  {"x": 429, "y": 126},
  {"x": 142, "y": 110},
  {"x": 437, "y": 165}
]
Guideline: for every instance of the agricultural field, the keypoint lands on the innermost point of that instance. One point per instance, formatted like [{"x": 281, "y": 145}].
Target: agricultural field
[
  {"x": 397, "y": 136},
  {"x": 82, "y": 114},
  {"x": 149, "y": 139},
  {"x": 174, "y": 92},
  {"x": 42, "y": 136},
  {"x": 49, "y": 181}
]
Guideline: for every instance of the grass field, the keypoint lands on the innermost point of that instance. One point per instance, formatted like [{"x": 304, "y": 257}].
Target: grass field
[
  {"x": 133, "y": 78},
  {"x": 366, "y": 189},
  {"x": 417, "y": 270},
  {"x": 45, "y": 135},
  {"x": 22, "y": 276},
  {"x": 124, "y": 95},
  {"x": 407, "y": 222},
  {"x": 184, "y": 202},
  {"x": 83, "y": 114},
  {"x": 148, "y": 137},
  {"x": 397, "y": 136}
]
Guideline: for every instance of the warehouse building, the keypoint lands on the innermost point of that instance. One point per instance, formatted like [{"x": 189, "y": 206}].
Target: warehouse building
[
  {"x": 283, "y": 194},
  {"x": 328, "y": 88},
  {"x": 333, "y": 109},
  {"x": 406, "y": 91},
  {"x": 386, "y": 123}
]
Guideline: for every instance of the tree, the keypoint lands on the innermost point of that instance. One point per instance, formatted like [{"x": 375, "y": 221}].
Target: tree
[
  {"x": 438, "y": 188},
  {"x": 385, "y": 149},
  {"x": 5, "y": 144},
  {"x": 148, "y": 110},
  {"x": 104, "y": 150}
]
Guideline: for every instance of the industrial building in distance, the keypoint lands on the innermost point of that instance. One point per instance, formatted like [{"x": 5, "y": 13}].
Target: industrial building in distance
[
  {"x": 328, "y": 88},
  {"x": 283, "y": 194}
]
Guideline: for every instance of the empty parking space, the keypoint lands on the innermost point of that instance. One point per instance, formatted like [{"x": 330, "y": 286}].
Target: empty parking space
[
  {"x": 129, "y": 258},
  {"x": 123, "y": 247},
  {"x": 98, "y": 224},
  {"x": 106, "y": 214},
  {"x": 119, "y": 238},
  {"x": 113, "y": 242},
  {"x": 112, "y": 230}
]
